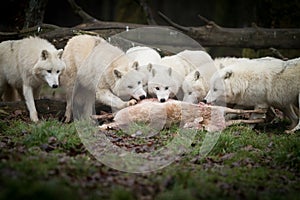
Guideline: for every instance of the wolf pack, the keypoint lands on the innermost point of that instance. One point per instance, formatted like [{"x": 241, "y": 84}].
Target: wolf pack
[{"x": 124, "y": 78}]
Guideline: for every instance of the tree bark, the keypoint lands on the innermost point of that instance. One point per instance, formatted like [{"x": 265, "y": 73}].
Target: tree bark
[
  {"x": 253, "y": 37},
  {"x": 34, "y": 13},
  {"x": 78, "y": 10}
]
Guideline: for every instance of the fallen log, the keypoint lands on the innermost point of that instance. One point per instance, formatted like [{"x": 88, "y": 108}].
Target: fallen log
[
  {"x": 249, "y": 37},
  {"x": 210, "y": 35}
]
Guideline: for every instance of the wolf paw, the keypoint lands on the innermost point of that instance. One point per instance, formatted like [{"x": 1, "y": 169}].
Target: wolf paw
[
  {"x": 290, "y": 131},
  {"x": 131, "y": 102},
  {"x": 110, "y": 126},
  {"x": 34, "y": 117}
]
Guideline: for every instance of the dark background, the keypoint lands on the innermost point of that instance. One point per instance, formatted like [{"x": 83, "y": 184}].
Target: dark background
[{"x": 226, "y": 13}]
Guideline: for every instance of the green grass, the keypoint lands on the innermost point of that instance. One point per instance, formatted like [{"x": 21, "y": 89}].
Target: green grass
[
  {"x": 31, "y": 135},
  {"x": 48, "y": 161}
]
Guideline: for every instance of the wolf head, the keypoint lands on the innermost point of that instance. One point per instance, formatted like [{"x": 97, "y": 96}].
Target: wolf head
[
  {"x": 49, "y": 67},
  {"x": 129, "y": 84},
  {"x": 194, "y": 87},
  {"x": 220, "y": 87},
  {"x": 162, "y": 84}
]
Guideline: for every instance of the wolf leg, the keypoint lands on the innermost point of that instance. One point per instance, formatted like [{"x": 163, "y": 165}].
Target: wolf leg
[
  {"x": 107, "y": 97},
  {"x": 297, "y": 127},
  {"x": 28, "y": 95},
  {"x": 245, "y": 121}
]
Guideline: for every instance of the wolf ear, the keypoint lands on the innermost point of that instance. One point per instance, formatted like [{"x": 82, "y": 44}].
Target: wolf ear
[
  {"x": 197, "y": 75},
  {"x": 170, "y": 71},
  {"x": 45, "y": 54},
  {"x": 153, "y": 72},
  {"x": 149, "y": 67},
  {"x": 228, "y": 74},
  {"x": 60, "y": 53},
  {"x": 97, "y": 41},
  {"x": 117, "y": 73},
  {"x": 135, "y": 65}
]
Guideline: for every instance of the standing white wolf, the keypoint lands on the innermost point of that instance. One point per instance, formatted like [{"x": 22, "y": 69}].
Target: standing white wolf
[
  {"x": 76, "y": 51},
  {"x": 26, "y": 64},
  {"x": 261, "y": 83}
]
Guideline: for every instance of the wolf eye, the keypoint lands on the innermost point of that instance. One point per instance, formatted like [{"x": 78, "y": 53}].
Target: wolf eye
[
  {"x": 215, "y": 89},
  {"x": 57, "y": 71},
  {"x": 49, "y": 71},
  {"x": 190, "y": 93},
  {"x": 129, "y": 86},
  {"x": 139, "y": 82},
  {"x": 166, "y": 88},
  {"x": 157, "y": 88}
]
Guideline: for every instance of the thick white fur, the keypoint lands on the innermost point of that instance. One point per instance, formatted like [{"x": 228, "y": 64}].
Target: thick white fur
[
  {"x": 260, "y": 83},
  {"x": 178, "y": 67},
  {"x": 196, "y": 84},
  {"x": 109, "y": 73},
  {"x": 26, "y": 64},
  {"x": 144, "y": 56},
  {"x": 162, "y": 82},
  {"x": 221, "y": 62},
  {"x": 76, "y": 51}
]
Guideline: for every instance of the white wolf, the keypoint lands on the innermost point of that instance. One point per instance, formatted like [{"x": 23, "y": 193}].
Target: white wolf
[
  {"x": 163, "y": 82},
  {"x": 26, "y": 64},
  {"x": 76, "y": 51},
  {"x": 111, "y": 77},
  {"x": 180, "y": 65},
  {"x": 145, "y": 56},
  {"x": 260, "y": 83}
]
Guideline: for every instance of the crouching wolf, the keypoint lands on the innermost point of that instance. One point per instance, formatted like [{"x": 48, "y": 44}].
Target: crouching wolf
[{"x": 25, "y": 65}]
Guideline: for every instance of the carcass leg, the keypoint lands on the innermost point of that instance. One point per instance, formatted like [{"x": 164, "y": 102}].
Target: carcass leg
[{"x": 245, "y": 121}]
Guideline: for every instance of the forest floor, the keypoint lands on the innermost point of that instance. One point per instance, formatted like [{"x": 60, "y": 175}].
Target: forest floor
[{"x": 47, "y": 160}]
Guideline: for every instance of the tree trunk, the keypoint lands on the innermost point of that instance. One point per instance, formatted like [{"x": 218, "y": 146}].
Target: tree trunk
[{"x": 34, "y": 13}]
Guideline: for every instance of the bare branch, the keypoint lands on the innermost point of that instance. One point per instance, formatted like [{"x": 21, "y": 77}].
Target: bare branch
[
  {"x": 209, "y": 22},
  {"x": 35, "y": 30},
  {"x": 148, "y": 12},
  {"x": 169, "y": 21},
  {"x": 34, "y": 13},
  {"x": 277, "y": 54},
  {"x": 79, "y": 11}
]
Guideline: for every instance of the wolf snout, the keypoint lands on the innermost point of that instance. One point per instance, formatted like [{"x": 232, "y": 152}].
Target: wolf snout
[
  {"x": 204, "y": 101},
  {"x": 54, "y": 86},
  {"x": 162, "y": 100},
  {"x": 142, "y": 97}
]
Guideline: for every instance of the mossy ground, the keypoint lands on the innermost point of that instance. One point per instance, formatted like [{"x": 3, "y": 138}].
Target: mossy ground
[{"x": 47, "y": 160}]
